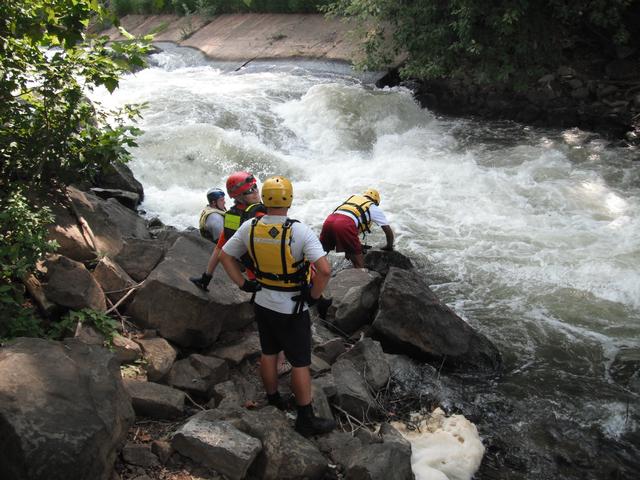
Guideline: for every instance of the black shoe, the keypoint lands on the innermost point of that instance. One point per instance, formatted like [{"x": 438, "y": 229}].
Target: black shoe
[
  {"x": 280, "y": 402},
  {"x": 323, "y": 306},
  {"x": 308, "y": 426}
]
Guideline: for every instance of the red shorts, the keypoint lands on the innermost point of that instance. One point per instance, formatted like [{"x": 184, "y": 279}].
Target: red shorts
[{"x": 340, "y": 232}]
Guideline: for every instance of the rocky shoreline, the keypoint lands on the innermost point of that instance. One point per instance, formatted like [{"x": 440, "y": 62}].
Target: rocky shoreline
[{"x": 179, "y": 390}]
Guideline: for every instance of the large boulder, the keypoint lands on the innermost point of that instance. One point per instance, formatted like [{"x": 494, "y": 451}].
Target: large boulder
[
  {"x": 353, "y": 394},
  {"x": 198, "y": 374},
  {"x": 63, "y": 411},
  {"x": 381, "y": 260},
  {"x": 411, "y": 318},
  {"x": 355, "y": 296},
  {"x": 179, "y": 310},
  {"x": 154, "y": 400},
  {"x": 72, "y": 240},
  {"x": 218, "y": 445},
  {"x": 368, "y": 358},
  {"x": 285, "y": 454},
  {"x": 139, "y": 257},
  {"x": 71, "y": 285},
  {"x": 120, "y": 176},
  {"x": 159, "y": 355},
  {"x": 110, "y": 222},
  {"x": 115, "y": 282}
]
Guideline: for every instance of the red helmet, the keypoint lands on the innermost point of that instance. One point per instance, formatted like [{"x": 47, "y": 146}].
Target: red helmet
[{"x": 239, "y": 182}]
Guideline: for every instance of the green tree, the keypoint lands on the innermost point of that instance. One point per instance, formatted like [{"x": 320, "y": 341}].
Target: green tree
[
  {"x": 52, "y": 134},
  {"x": 502, "y": 40}
]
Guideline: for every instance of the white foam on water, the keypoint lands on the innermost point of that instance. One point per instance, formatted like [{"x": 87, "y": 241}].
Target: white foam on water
[{"x": 444, "y": 448}]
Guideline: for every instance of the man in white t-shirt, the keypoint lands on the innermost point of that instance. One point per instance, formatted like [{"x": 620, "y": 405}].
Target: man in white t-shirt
[
  {"x": 282, "y": 251},
  {"x": 340, "y": 230}
]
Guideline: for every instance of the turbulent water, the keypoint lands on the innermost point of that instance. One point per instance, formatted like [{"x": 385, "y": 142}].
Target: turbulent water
[{"x": 535, "y": 234}]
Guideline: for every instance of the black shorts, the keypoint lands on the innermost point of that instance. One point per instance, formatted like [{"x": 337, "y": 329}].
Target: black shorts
[{"x": 288, "y": 332}]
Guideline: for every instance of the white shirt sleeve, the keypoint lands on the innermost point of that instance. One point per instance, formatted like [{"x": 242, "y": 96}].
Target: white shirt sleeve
[
  {"x": 312, "y": 248},
  {"x": 378, "y": 216},
  {"x": 238, "y": 244},
  {"x": 215, "y": 224}
]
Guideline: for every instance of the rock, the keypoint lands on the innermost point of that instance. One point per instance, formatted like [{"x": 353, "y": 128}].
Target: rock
[
  {"x": 330, "y": 350},
  {"x": 368, "y": 358},
  {"x": 70, "y": 285},
  {"x": 564, "y": 71},
  {"x": 140, "y": 455},
  {"x": 89, "y": 335},
  {"x": 318, "y": 365},
  {"x": 285, "y": 454},
  {"x": 36, "y": 292},
  {"x": 339, "y": 446},
  {"x": 352, "y": 392},
  {"x": 63, "y": 411},
  {"x": 218, "y": 445},
  {"x": 162, "y": 449},
  {"x": 247, "y": 347},
  {"x": 128, "y": 199},
  {"x": 575, "y": 83},
  {"x": 139, "y": 257},
  {"x": 380, "y": 461},
  {"x": 548, "y": 78},
  {"x": 154, "y": 400},
  {"x": 119, "y": 176},
  {"x": 179, "y": 310},
  {"x": 580, "y": 93},
  {"x": 625, "y": 368},
  {"x": 327, "y": 384},
  {"x": 380, "y": 261},
  {"x": 355, "y": 295},
  {"x": 110, "y": 222},
  {"x": 67, "y": 233},
  {"x": 412, "y": 318},
  {"x": 125, "y": 349},
  {"x": 233, "y": 393},
  {"x": 159, "y": 355},
  {"x": 320, "y": 403},
  {"x": 198, "y": 374},
  {"x": 113, "y": 280},
  {"x": 623, "y": 69}
]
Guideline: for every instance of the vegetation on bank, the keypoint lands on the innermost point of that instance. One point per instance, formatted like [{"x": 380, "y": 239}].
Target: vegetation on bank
[
  {"x": 499, "y": 41},
  {"x": 52, "y": 134},
  {"x": 213, "y": 7}
]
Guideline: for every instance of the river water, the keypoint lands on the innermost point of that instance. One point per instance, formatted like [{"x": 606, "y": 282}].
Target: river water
[{"x": 534, "y": 234}]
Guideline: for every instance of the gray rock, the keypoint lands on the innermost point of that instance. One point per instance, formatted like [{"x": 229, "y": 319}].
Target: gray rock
[
  {"x": 162, "y": 449},
  {"x": 339, "y": 446},
  {"x": 320, "y": 403},
  {"x": 355, "y": 295},
  {"x": 109, "y": 221},
  {"x": 139, "y": 257},
  {"x": 113, "y": 280},
  {"x": 128, "y": 199},
  {"x": 352, "y": 391},
  {"x": 625, "y": 368},
  {"x": 198, "y": 374},
  {"x": 285, "y": 454},
  {"x": 125, "y": 349},
  {"x": 380, "y": 461},
  {"x": 71, "y": 285},
  {"x": 69, "y": 235},
  {"x": 120, "y": 176},
  {"x": 318, "y": 365},
  {"x": 159, "y": 355},
  {"x": 411, "y": 316},
  {"x": 63, "y": 411},
  {"x": 154, "y": 400},
  {"x": 329, "y": 351},
  {"x": 368, "y": 358},
  {"x": 247, "y": 347},
  {"x": 140, "y": 455},
  {"x": 380, "y": 261},
  {"x": 233, "y": 393},
  {"x": 179, "y": 310},
  {"x": 218, "y": 445}
]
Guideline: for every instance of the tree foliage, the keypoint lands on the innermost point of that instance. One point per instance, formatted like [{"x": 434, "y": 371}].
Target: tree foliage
[
  {"x": 52, "y": 134},
  {"x": 502, "y": 40}
]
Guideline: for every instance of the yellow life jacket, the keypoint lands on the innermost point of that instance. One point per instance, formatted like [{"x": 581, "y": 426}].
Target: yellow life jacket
[
  {"x": 204, "y": 215},
  {"x": 273, "y": 263},
  {"x": 358, "y": 206}
]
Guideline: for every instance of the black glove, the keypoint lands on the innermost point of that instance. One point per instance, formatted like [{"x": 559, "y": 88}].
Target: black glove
[
  {"x": 251, "y": 286},
  {"x": 305, "y": 296},
  {"x": 202, "y": 282}
]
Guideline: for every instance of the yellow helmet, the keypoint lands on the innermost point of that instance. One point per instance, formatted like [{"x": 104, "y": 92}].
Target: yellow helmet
[
  {"x": 373, "y": 195},
  {"x": 277, "y": 192}
]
